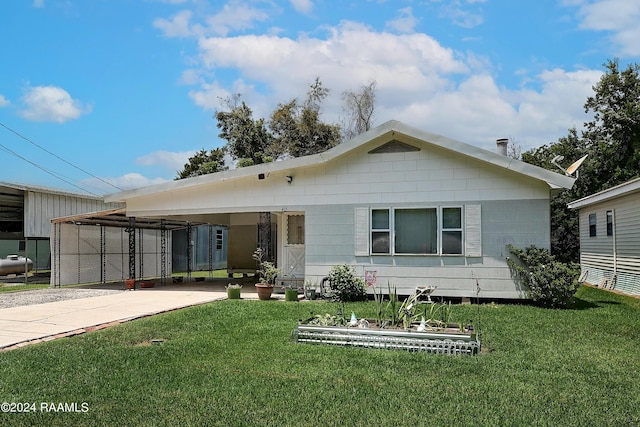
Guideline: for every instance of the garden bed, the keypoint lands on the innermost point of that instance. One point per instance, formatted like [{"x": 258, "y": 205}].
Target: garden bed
[{"x": 440, "y": 342}]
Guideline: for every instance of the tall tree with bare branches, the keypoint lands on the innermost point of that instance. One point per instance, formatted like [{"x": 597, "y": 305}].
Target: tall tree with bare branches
[{"x": 358, "y": 108}]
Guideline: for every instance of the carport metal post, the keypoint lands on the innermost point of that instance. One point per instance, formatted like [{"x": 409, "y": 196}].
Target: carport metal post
[{"x": 131, "y": 229}]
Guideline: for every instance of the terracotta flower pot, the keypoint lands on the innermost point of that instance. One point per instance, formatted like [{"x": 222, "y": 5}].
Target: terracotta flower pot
[
  {"x": 264, "y": 291},
  {"x": 130, "y": 283}
]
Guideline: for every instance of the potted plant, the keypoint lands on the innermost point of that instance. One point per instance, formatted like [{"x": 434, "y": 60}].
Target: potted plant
[
  {"x": 267, "y": 273},
  {"x": 233, "y": 290},
  {"x": 291, "y": 293}
]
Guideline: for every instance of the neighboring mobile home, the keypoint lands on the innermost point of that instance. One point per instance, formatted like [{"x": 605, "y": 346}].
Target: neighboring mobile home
[
  {"x": 416, "y": 208},
  {"x": 610, "y": 237}
]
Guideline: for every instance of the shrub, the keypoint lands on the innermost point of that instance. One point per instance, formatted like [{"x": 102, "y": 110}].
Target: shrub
[
  {"x": 345, "y": 285},
  {"x": 550, "y": 282}
]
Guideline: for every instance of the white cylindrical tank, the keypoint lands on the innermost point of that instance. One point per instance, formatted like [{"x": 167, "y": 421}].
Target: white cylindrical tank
[{"x": 14, "y": 264}]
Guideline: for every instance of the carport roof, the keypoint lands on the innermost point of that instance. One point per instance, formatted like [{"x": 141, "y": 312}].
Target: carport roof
[{"x": 118, "y": 218}]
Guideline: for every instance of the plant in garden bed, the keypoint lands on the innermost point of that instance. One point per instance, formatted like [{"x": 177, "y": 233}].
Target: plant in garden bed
[{"x": 550, "y": 283}]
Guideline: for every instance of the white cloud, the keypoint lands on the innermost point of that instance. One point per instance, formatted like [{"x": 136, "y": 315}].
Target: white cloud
[
  {"x": 405, "y": 22},
  {"x": 4, "y": 102},
  {"x": 38, "y": 4},
  {"x": 178, "y": 26},
  {"x": 235, "y": 16},
  {"x": 461, "y": 15},
  {"x": 302, "y": 6},
  {"x": 171, "y": 160},
  {"x": 51, "y": 104},
  {"x": 619, "y": 17},
  {"x": 350, "y": 56},
  {"x": 419, "y": 81}
]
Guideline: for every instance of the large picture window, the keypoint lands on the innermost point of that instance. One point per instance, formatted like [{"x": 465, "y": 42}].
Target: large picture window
[{"x": 417, "y": 231}]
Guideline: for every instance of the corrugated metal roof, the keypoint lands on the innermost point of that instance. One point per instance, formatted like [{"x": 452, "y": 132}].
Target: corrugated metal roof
[{"x": 40, "y": 189}]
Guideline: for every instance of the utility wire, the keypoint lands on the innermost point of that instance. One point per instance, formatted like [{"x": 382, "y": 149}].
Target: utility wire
[
  {"x": 53, "y": 174},
  {"x": 57, "y": 157}
]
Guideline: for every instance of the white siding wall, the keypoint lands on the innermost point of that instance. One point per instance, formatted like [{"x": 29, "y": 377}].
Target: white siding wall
[
  {"x": 425, "y": 176},
  {"x": 331, "y": 240},
  {"x": 597, "y": 257},
  {"x": 40, "y": 208}
]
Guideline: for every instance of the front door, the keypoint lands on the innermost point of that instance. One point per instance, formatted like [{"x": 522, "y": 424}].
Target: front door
[{"x": 293, "y": 247}]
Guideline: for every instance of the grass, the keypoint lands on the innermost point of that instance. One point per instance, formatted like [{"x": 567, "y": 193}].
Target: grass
[{"x": 232, "y": 363}]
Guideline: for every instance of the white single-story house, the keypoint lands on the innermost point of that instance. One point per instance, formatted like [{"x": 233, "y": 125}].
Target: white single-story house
[
  {"x": 610, "y": 237},
  {"x": 416, "y": 208}
]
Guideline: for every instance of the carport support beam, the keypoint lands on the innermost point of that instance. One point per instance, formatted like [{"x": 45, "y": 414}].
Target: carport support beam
[{"x": 132, "y": 247}]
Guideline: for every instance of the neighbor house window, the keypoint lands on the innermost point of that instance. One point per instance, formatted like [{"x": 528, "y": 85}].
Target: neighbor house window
[
  {"x": 417, "y": 231},
  {"x": 609, "y": 223},
  {"x": 219, "y": 240},
  {"x": 592, "y": 225}
]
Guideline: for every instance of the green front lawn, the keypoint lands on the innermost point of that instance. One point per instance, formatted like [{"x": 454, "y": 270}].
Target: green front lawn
[{"x": 233, "y": 363}]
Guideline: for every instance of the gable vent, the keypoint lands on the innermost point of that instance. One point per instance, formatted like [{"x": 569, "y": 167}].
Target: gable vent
[{"x": 394, "y": 147}]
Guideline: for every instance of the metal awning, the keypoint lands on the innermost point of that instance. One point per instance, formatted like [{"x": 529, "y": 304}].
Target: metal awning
[{"x": 118, "y": 218}]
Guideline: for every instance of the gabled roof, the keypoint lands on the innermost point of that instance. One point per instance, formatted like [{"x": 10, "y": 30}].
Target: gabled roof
[
  {"x": 386, "y": 132},
  {"x": 628, "y": 187}
]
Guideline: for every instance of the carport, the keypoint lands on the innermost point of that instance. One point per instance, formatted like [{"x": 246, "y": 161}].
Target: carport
[{"x": 108, "y": 246}]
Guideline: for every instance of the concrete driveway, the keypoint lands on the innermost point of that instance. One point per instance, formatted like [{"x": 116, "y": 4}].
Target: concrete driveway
[{"x": 24, "y": 325}]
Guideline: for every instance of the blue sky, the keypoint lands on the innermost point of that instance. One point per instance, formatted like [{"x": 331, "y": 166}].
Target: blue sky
[{"x": 123, "y": 91}]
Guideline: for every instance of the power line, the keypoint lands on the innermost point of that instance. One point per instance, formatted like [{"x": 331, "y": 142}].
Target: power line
[
  {"x": 42, "y": 168},
  {"x": 57, "y": 157}
]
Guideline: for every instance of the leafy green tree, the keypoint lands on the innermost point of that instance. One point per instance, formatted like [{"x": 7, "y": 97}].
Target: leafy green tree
[
  {"x": 203, "y": 163},
  {"x": 297, "y": 128},
  {"x": 612, "y": 141},
  {"x": 248, "y": 140}
]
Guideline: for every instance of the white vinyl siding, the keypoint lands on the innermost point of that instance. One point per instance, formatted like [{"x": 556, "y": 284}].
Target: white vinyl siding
[{"x": 361, "y": 231}]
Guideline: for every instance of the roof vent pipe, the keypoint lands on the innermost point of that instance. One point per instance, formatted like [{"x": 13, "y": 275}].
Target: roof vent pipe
[{"x": 502, "y": 146}]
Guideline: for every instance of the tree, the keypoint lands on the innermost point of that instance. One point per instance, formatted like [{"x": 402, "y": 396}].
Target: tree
[
  {"x": 203, "y": 163},
  {"x": 358, "y": 108},
  {"x": 248, "y": 140},
  {"x": 612, "y": 141},
  {"x": 297, "y": 129},
  {"x": 615, "y": 129}
]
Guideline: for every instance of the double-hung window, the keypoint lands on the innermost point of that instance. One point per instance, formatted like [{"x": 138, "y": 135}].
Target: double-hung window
[
  {"x": 417, "y": 231},
  {"x": 451, "y": 231},
  {"x": 380, "y": 231}
]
